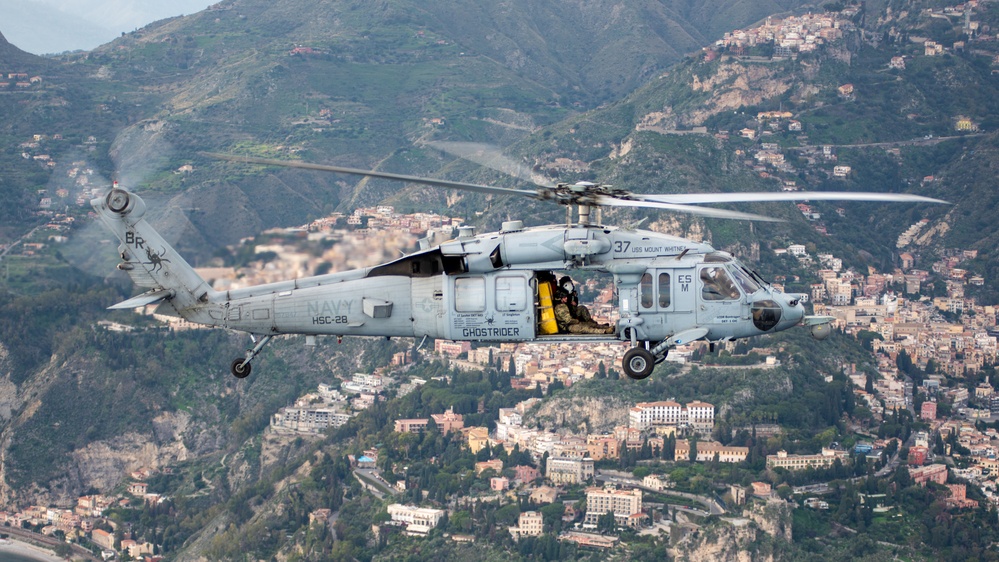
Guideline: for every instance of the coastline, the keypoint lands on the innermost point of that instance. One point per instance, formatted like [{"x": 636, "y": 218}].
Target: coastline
[{"x": 28, "y": 550}]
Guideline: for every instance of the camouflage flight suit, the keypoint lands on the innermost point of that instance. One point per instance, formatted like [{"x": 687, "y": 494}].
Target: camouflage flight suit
[
  {"x": 580, "y": 312},
  {"x": 568, "y": 324}
]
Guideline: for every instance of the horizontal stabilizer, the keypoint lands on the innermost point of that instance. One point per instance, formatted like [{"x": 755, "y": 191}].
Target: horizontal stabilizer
[
  {"x": 152, "y": 297},
  {"x": 817, "y": 320}
]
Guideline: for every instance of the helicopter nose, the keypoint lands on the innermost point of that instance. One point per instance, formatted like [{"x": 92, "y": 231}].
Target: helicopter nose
[{"x": 794, "y": 311}]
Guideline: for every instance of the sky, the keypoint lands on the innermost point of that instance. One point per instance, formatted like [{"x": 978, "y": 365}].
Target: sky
[{"x": 55, "y": 26}]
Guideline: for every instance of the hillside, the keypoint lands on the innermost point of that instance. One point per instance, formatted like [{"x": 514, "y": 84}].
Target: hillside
[
  {"x": 917, "y": 129},
  {"x": 337, "y": 82}
]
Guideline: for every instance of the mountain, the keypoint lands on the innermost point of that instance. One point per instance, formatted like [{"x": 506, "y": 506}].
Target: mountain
[
  {"x": 342, "y": 83},
  {"x": 11, "y": 55}
]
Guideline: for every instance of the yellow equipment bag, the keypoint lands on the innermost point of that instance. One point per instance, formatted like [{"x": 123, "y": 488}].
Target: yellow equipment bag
[{"x": 546, "y": 312}]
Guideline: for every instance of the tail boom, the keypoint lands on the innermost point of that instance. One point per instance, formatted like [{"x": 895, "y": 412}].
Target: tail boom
[{"x": 152, "y": 263}]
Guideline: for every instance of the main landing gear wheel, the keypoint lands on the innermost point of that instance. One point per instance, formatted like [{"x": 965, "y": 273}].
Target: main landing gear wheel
[
  {"x": 239, "y": 370},
  {"x": 240, "y": 366},
  {"x": 638, "y": 363}
]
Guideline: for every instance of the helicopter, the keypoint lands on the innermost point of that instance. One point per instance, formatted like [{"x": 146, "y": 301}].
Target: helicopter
[{"x": 493, "y": 287}]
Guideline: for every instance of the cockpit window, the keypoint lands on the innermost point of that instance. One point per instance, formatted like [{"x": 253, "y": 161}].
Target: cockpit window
[
  {"x": 717, "y": 285},
  {"x": 745, "y": 280}
]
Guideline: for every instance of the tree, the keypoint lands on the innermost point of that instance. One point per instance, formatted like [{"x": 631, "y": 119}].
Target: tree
[
  {"x": 693, "y": 450},
  {"x": 605, "y": 523}
]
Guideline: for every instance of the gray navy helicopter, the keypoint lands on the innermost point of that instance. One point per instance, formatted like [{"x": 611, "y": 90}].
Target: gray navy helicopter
[{"x": 494, "y": 287}]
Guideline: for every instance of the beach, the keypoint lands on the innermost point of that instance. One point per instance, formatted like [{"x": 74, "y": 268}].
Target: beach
[{"x": 16, "y": 551}]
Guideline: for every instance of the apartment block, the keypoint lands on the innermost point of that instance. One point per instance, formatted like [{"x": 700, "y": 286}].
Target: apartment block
[
  {"x": 562, "y": 470},
  {"x": 624, "y": 504}
]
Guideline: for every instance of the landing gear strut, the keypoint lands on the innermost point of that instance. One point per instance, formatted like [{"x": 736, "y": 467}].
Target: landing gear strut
[{"x": 240, "y": 366}]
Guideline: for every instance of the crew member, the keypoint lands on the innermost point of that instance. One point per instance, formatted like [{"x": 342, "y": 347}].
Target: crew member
[{"x": 571, "y": 316}]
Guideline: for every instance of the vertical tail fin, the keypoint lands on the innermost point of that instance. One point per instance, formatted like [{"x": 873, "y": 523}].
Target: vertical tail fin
[{"x": 149, "y": 260}]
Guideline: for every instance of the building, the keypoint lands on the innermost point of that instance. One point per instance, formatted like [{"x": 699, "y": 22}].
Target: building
[
  {"x": 657, "y": 482},
  {"x": 530, "y": 524},
  {"x": 418, "y": 520},
  {"x": 602, "y": 447},
  {"x": 452, "y": 348},
  {"x": 958, "y": 497},
  {"x": 928, "y": 411},
  {"x": 449, "y": 421},
  {"x": 697, "y": 415},
  {"x": 761, "y": 489},
  {"x": 624, "y": 504},
  {"x": 932, "y": 473},
  {"x": 562, "y": 470},
  {"x": 525, "y": 474},
  {"x": 308, "y": 420},
  {"x": 103, "y": 539},
  {"x": 544, "y": 495},
  {"x": 738, "y": 494},
  {"x": 495, "y": 464},
  {"x": 478, "y": 438},
  {"x": 706, "y": 451},
  {"x": 589, "y": 540},
  {"x": 412, "y": 425},
  {"x": 825, "y": 459}
]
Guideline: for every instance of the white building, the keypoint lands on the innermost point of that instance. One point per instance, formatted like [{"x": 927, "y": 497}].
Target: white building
[
  {"x": 530, "y": 524},
  {"x": 697, "y": 415},
  {"x": 308, "y": 420},
  {"x": 624, "y": 504},
  {"x": 418, "y": 520}
]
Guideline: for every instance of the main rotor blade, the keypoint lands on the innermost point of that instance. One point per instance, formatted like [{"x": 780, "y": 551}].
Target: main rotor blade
[
  {"x": 492, "y": 157},
  {"x": 681, "y": 208},
  {"x": 700, "y": 198},
  {"x": 374, "y": 174}
]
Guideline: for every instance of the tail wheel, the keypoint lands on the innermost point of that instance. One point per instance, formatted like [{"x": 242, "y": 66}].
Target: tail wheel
[
  {"x": 239, "y": 370},
  {"x": 638, "y": 363}
]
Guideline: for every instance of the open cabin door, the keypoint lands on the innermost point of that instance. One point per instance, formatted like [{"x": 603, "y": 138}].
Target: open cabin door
[{"x": 492, "y": 307}]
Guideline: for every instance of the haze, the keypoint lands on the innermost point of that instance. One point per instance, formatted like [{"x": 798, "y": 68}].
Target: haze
[{"x": 55, "y": 26}]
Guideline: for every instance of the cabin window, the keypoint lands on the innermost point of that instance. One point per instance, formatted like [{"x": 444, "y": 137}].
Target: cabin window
[
  {"x": 664, "y": 300},
  {"x": 470, "y": 294},
  {"x": 646, "y": 290},
  {"x": 717, "y": 285},
  {"x": 511, "y": 294}
]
